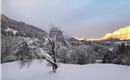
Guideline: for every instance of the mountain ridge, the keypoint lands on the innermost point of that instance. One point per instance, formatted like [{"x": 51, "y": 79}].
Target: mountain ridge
[
  {"x": 21, "y": 28},
  {"x": 120, "y": 34}
]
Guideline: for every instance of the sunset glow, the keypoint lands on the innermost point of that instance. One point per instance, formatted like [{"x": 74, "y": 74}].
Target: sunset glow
[{"x": 121, "y": 34}]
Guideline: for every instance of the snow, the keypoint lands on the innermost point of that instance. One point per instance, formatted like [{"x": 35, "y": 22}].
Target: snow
[
  {"x": 46, "y": 55},
  {"x": 39, "y": 71},
  {"x": 46, "y": 41},
  {"x": 9, "y": 29},
  {"x": 30, "y": 41},
  {"x": 111, "y": 48},
  {"x": 98, "y": 61}
]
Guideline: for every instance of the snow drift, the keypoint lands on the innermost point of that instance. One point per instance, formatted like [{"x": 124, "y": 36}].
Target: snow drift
[{"x": 40, "y": 71}]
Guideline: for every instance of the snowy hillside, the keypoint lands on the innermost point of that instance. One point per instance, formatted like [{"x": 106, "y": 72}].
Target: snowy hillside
[
  {"x": 39, "y": 71},
  {"x": 10, "y": 27}
]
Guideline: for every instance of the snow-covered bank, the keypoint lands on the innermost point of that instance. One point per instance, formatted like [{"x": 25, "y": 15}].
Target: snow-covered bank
[{"x": 39, "y": 71}]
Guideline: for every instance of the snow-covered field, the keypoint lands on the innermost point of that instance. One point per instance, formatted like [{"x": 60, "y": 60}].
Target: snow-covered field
[{"x": 40, "y": 71}]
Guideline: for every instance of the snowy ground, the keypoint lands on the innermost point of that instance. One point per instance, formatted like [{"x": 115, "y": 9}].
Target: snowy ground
[{"x": 39, "y": 71}]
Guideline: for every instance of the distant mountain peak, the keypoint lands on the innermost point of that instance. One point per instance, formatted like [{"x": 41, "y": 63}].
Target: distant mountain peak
[{"x": 120, "y": 34}]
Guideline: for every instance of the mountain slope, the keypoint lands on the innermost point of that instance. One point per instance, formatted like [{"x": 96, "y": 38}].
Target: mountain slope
[
  {"x": 14, "y": 34},
  {"x": 122, "y": 34},
  {"x": 10, "y": 27}
]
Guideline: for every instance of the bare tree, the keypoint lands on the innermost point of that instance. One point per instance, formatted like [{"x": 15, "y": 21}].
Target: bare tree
[
  {"x": 56, "y": 40},
  {"x": 58, "y": 32},
  {"x": 53, "y": 49},
  {"x": 26, "y": 52}
]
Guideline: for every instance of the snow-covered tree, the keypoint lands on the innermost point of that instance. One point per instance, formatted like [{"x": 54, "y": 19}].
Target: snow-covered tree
[{"x": 53, "y": 48}]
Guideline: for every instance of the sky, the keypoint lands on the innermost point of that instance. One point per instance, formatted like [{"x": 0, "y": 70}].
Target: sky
[{"x": 80, "y": 18}]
